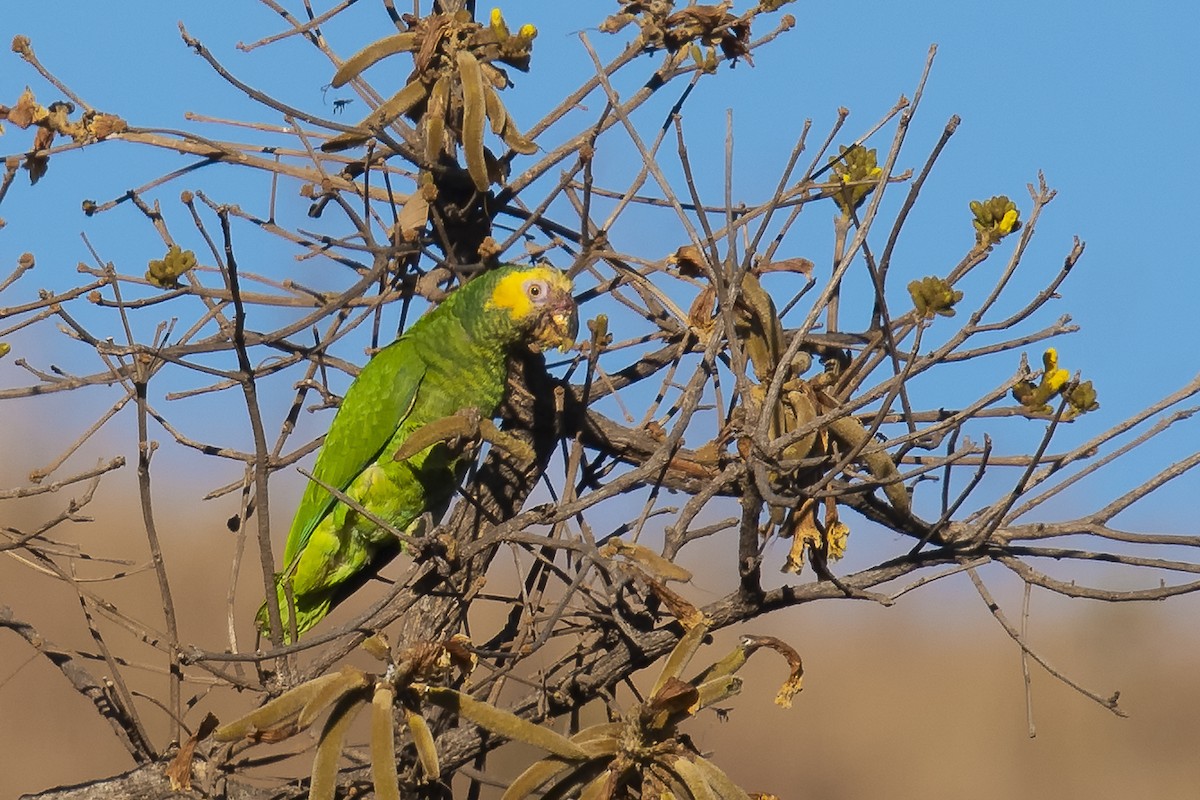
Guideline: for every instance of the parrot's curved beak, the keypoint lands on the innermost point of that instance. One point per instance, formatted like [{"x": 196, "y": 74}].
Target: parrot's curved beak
[{"x": 559, "y": 323}]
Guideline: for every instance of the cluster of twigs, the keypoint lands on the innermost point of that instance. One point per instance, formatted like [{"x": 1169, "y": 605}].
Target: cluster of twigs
[{"x": 764, "y": 413}]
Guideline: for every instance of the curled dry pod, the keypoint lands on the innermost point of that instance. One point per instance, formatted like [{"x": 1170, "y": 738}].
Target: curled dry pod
[
  {"x": 372, "y": 53},
  {"x": 798, "y": 409},
  {"x": 502, "y": 123},
  {"x": 474, "y": 115}
]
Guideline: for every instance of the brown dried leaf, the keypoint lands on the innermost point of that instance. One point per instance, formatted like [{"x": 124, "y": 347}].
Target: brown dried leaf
[
  {"x": 101, "y": 126},
  {"x": 792, "y": 685},
  {"x": 37, "y": 165},
  {"x": 26, "y": 112},
  {"x": 689, "y": 261},
  {"x": 703, "y": 309},
  {"x": 804, "y": 531},
  {"x": 414, "y": 214},
  {"x": 673, "y": 697},
  {"x": 179, "y": 771},
  {"x": 688, "y": 615}
]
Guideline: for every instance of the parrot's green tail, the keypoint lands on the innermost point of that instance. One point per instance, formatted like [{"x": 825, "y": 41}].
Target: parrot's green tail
[{"x": 310, "y": 610}]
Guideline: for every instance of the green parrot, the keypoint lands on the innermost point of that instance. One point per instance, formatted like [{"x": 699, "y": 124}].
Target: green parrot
[{"x": 454, "y": 359}]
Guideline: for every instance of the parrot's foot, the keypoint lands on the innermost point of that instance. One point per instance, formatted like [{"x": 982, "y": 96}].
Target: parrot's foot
[
  {"x": 457, "y": 429},
  {"x": 521, "y": 452}
]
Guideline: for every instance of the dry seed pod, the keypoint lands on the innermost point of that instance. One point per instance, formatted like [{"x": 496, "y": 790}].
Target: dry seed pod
[
  {"x": 377, "y": 645},
  {"x": 494, "y": 75},
  {"x": 599, "y": 787},
  {"x": 692, "y": 779},
  {"x": 329, "y": 748},
  {"x": 423, "y": 741},
  {"x": 374, "y": 52},
  {"x": 348, "y": 679},
  {"x": 516, "y": 140},
  {"x": 723, "y": 786},
  {"x": 413, "y": 216},
  {"x": 474, "y": 114},
  {"x": 504, "y": 723},
  {"x": 851, "y": 433},
  {"x": 680, "y": 656},
  {"x": 435, "y": 119},
  {"x": 383, "y": 744},
  {"x": 496, "y": 112},
  {"x": 715, "y": 690},
  {"x": 600, "y": 740},
  {"x": 536, "y": 776},
  {"x": 759, "y": 327},
  {"x": 661, "y": 568},
  {"x": 799, "y": 409},
  {"x": 276, "y": 711}
]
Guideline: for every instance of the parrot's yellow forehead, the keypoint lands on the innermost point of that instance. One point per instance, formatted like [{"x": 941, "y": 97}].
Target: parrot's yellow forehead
[{"x": 512, "y": 292}]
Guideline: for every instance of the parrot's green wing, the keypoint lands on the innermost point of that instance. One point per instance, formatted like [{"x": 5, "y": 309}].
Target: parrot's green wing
[{"x": 376, "y": 404}]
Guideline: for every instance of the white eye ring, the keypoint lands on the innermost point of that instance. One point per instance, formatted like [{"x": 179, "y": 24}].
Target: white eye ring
[{"x": 536, "y": 291}]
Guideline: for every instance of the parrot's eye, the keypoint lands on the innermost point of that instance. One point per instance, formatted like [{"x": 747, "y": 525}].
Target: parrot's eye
[{"x": 536, "y": 291}]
